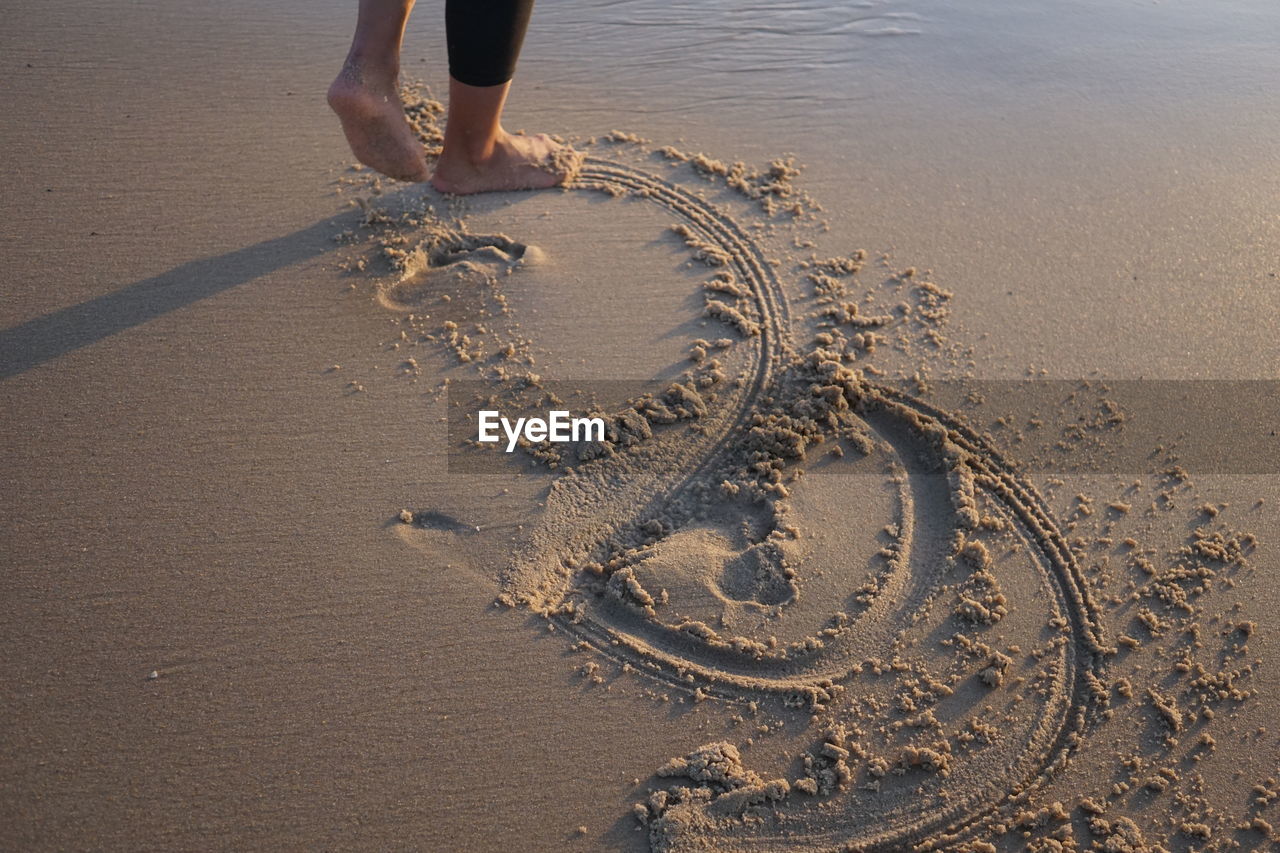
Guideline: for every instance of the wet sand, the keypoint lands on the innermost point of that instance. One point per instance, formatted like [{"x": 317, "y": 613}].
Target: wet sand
[{"x": 825, "y": 585}]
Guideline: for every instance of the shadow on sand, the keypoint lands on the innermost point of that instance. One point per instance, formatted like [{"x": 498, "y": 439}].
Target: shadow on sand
[{"x": 42, "y": 339}]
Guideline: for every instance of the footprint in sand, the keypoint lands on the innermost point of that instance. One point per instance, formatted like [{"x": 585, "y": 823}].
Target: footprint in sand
[{"x": 449, "y": 262}]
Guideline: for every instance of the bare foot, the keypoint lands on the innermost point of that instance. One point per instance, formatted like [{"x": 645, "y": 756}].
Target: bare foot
[
  {"x": 516, "y": 163},
  {"x": 368, "y": 103}
]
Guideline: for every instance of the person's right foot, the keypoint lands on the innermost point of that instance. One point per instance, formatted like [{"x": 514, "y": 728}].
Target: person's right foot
[{"x": 372, "y": 116}]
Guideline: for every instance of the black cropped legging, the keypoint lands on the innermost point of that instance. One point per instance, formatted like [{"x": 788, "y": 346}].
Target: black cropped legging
[{"x": 484, "y": 38}]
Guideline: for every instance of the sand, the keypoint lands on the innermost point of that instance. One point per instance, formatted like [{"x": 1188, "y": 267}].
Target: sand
[{"x": 935, "y": 510}]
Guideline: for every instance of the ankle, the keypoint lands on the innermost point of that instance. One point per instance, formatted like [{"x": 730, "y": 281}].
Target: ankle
[
  {"x": 477, "y": 151},
  {"x": 371, "y": 70}
]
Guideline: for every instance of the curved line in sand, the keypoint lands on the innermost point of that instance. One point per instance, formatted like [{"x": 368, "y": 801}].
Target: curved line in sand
[{"x": 684, "y": 662}]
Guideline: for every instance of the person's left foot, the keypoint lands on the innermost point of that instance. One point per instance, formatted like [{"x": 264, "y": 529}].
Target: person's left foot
[
  {"x": 368, "y": 103},
  {"x": 516, "y": 163}
]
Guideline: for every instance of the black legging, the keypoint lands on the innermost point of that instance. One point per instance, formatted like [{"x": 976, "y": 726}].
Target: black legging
[{"x": 484, "y": 38}]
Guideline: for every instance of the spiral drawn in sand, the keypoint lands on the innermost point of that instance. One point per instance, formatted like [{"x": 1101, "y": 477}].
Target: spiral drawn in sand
[{"x": 947, "y": 656}]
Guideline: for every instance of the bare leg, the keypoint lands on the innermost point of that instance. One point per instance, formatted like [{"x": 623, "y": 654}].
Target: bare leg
[
  {"x": 366, "y": 93},
  {"x": 479, "y": 155}
]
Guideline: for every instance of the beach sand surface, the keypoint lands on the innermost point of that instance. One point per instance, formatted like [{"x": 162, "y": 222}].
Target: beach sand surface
[{"x": 219, "y": 632}]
